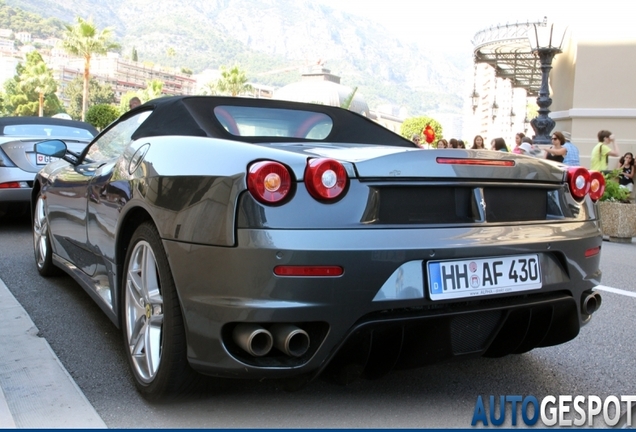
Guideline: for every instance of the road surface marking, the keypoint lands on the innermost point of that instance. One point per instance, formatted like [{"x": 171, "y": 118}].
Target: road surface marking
[{"x": 616, "y": 291}]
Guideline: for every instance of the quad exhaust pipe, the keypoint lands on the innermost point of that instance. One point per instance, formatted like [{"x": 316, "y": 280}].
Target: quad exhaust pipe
[
  {"x": 253, "y": 339},
  {"x": 257, "y": 341},
  {"x": 590, "y": 302},
  {"x": 290, "y": 339}
]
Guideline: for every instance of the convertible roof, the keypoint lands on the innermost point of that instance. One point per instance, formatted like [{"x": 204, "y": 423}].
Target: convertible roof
[{"x": 194, "y": 116}]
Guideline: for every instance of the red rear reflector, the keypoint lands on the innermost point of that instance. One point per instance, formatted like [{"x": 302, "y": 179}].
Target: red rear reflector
[
  {"x": 10, "y": 185},
  {"x": 592, "y": 252},
  {"x": 487, "y": 162},
  {"x": 309, "y": 271}
]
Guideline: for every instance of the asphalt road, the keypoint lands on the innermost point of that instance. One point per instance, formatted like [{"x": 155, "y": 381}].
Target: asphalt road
[{"x": 600, "y": 361}]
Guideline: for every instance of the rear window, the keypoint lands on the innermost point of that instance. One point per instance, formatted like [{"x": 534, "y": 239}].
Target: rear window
[
  {"x": 46, "y": 131},
  {"x": 273, "y": 122}
]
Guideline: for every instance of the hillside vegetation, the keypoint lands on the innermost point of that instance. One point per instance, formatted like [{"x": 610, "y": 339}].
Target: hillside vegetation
[{"x": 265, "y": 36}]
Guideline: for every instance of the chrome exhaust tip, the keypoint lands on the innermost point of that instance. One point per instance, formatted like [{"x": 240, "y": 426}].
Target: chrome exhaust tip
[
  {"x": 290, "y": 339},
  {"x": 253, "y": 339},
  {"x": 591, "y": 303}
]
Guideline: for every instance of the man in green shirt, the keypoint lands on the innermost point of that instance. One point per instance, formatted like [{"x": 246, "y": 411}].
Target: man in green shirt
[{"x": 601, "y": 152}]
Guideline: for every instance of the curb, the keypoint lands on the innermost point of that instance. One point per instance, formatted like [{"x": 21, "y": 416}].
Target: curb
[{"x": 36, "y": 391}]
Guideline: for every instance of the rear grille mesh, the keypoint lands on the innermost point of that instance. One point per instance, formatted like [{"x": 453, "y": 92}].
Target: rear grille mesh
[
  {"x": 470, "y": 332},
  {"x": 425, "y": 205},
  {"x": 510, "y": 204},
  {"x": 462, "y": 204}
]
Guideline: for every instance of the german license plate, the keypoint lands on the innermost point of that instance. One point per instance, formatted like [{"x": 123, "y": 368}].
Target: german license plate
[
  {"x": 41, "y": 159},
  {"x": 485, "y": 276}
]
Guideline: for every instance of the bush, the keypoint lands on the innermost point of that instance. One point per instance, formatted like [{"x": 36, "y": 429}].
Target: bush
[
  {"x": 613, "y": 190},
  {"x": 101, "y": 116}
]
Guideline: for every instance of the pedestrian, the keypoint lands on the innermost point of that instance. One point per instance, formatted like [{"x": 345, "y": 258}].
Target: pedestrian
[
  {"x": 572, "y": 156},
  {"x": 601, "y": 152},
  {"x": 442, "y": 144},
  {"x": 626, "y": 176},
  {"x": 460, "y": 144},
  {"x": 452, "y": 143},
  {"x": 134, "y": 102},
  {"x": 478, "y": 143},
  {"x": 518, "y": 137},
  {"x": 525, "y": 149},
  {"x": 499, "y": 144},
  {"x": 557, "y": 152},
  {"x": 416, "y": 139}
]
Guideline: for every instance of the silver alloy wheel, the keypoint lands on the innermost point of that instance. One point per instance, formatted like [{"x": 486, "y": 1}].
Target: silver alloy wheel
[
  {"x": 144, "y": 312},
  {"x": 40, "y": 233}
]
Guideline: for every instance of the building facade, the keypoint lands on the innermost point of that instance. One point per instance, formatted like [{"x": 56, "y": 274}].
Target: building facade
[
  {"x": 594, "y": 88},
  {"x": 121, "y": 74}
]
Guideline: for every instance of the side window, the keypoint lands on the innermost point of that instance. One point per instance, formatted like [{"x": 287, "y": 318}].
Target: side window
[{"x": 114, "y": 142}]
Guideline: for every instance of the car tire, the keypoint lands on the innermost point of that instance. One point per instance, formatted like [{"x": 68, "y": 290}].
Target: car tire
[
  {"x": 42, "y": 242},
  {"x": 152, "y": 323}
]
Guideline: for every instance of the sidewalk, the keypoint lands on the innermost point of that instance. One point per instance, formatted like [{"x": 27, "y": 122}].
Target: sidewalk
[{"x": 36, "y": 391}]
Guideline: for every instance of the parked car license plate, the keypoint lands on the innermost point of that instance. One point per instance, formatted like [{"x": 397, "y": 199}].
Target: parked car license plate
[
  {"x": 41, "y": 159},
  {"x": 479, "y": 277}
]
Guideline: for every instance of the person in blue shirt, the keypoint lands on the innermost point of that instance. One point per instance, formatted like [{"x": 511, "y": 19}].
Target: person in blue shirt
[{"x": 572, "y": 156}]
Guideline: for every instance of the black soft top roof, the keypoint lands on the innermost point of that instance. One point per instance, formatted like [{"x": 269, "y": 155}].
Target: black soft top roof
[{"x": 194, "y": 116}]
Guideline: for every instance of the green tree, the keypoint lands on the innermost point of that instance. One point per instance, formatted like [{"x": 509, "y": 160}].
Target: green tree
[
  {"x": 134, "y": 56},
  {"x": 102, "y": 115},
  {"x": 415, "y": 125},
  {"x": 153, "y": 90},
  {"x": 233, "y": 81},
  {"x": 210, "y": 88},
  {"x": 38, "y": 77},
  {"x": 84, "y": 40},
  {"x": 20, "y": 99},
  {"x": 97, "y": 94}
]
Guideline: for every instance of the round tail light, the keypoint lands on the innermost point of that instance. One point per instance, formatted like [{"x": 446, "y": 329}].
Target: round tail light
[
  {"x": 269, "y": 182},
  {"x": 325, "y": 179},
  {"x": 597, "y": 185},
  {"x": 579, "y": 181}
]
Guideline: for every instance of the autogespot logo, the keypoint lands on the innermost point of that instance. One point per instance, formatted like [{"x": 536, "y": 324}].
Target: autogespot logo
[{"x": 563, "y": 410}]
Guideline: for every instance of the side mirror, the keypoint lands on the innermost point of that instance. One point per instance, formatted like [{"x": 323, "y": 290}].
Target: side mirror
[{"x": 54, "y": 148}]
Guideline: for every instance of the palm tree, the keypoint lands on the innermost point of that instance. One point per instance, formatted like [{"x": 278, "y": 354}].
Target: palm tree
[
  {"x": 154, "y": 89},
  {"x": 84, "y": 40},
  {"x": 233, "y": 81},
  {"x": 346, "y": 103},
  {"x": 39, "y": 78}
]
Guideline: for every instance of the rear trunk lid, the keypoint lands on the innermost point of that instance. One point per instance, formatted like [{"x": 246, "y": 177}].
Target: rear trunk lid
[{"x": 22, "y": 152}]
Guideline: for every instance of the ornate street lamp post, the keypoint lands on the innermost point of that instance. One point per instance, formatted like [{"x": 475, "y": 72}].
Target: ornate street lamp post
[
  {"x": 475, "y": 100},
  {"x": 475, "y": 96},
  {"x": 495, "y": 110},
  {"x": 546, "y": 41}
]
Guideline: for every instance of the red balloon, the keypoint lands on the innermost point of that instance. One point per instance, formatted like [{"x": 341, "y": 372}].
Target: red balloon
[{"x": 429, "y": 134}]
